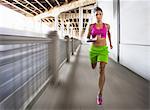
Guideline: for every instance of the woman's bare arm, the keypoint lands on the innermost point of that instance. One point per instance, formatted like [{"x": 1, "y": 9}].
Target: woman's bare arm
[
  {"x": 89, "y": 32},
  {"x": 109, "y": 35}
]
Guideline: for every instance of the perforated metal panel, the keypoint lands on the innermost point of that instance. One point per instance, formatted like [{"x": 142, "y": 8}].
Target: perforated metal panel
[{"x": 25, "y": 66}]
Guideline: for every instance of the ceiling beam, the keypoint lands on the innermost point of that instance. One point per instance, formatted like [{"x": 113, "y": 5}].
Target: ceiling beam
[
  {"x": 41, "y": 5},
  {"x": 48, "y": 20},
  {"x": 33, "y": 6},
  {"x": 18, "y": 8},
  {"x": 47, "y": 23},
  {"x": 66, "y": 1},
  {"x": 66, "y": 7},
  {"x": 49, "y": 3},
  {"x": 57, "y": 2},
  {"x": 76, "y": 15},
  {"x": 25, "y": 6}
]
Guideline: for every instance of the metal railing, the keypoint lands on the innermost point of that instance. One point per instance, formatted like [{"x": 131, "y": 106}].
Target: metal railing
[{"x": 27, "y": 64}]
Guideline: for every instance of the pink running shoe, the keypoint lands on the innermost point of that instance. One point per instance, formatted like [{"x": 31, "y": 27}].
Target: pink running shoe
[{"x": 99, "y": 100}]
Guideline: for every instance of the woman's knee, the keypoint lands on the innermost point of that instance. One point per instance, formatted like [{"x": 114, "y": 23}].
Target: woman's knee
[{"x": 102, "y": 68}]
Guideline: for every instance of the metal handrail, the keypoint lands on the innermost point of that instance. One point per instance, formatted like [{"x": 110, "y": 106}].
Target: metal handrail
[
  {"x": 33, "y": 50},
  {"x": 8, "y": 39}
]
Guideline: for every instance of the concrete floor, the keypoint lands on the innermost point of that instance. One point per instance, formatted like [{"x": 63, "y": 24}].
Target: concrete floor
[{"x": 124, "y": 90}]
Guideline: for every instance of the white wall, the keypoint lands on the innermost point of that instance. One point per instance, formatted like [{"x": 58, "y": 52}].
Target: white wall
[
  {"x": 135, "y": 36},
  {"x": 136, "y": 58},
  {"x": 14, "y": 20}
]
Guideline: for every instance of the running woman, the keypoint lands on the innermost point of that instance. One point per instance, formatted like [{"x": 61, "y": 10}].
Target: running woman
[{"x": 99, "y": 50}]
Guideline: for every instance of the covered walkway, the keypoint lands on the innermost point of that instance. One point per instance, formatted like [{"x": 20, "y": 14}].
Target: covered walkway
[
  {"x": 44, "y": 62},
  {"x": 123, "y": 89}
]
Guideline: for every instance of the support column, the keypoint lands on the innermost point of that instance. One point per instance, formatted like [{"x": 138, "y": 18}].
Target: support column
[
  {"x": 53, "y": 56},
  {"x": 68, "y": 29},
  {"x": 67, "y": 48},
  {"x": 62, "y": 26},
  {"x": 80, "y": 21},
  {"x": 56, "y": 23}
]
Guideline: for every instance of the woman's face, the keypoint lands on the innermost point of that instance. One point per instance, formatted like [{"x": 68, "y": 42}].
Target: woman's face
[{"x": 99, "y": 15}]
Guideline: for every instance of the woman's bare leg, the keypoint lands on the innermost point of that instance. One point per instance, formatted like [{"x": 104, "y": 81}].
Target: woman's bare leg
[
  {"x": 93, "y": 65},
  {"x": 102, "y": 77}
]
